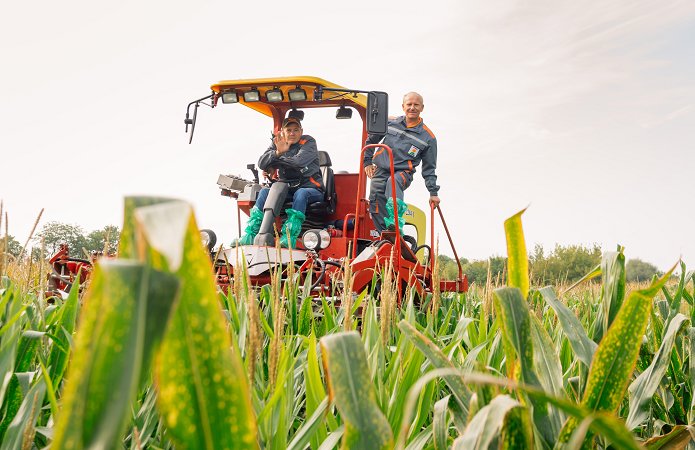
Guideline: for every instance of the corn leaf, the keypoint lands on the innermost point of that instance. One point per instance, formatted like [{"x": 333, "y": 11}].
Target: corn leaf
[
  {"x": 21, "y": 431},
  {"x": 438, "y": 360},
  {"x": 486, "y": 426},
  {"x": 203, "y": 394},
  {"x": 125, "y": 303},
  {"x": 517, "y": 257},
  {"x": 65, "y": 327},
  {"x": 616, "y": 356},
  {"x": 440, "y": 424},
  {"x": 612, "y": 291},
  {"x": 515, "y": 323},
  {"x": 351, "y": 389},
  {"x": 677, "y": 439},
  {"x": 582, "y": 346},
  {"x": 309, "y": 428},
  {"x": 644, "y": 386}
]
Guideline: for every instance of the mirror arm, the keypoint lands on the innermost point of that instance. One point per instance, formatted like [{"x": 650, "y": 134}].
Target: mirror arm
[{"x": 191, "y": 122}]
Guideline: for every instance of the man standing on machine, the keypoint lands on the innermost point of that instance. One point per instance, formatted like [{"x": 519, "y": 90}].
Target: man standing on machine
[{"x": 411, "y": 142}]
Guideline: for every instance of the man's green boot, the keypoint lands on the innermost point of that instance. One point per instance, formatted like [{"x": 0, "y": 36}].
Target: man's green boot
[
  {"x": 389, "y": 220},
  {"x": 292, "y": 227},
  {"x": 252, "y": 227}
]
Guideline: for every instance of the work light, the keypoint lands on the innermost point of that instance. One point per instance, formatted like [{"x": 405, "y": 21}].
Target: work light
[
  {"x": 252, "y": 96},
  {"x": 297, "y": 95},
  {"x": 274, "y": 95},
  {"x": 229, "y": 97}
]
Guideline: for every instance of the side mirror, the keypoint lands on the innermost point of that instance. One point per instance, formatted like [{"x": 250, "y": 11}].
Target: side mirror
[{"x": 377, "y": 112}]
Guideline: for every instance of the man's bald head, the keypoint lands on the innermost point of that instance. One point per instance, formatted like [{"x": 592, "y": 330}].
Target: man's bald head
[
  {"x": 412, "y": 107},
  {"x": 415, "y": 95}
]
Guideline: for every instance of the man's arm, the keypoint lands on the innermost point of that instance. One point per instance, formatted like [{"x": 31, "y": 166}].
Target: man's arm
[
  {"x": 369, "y": 153},
  {"x": 429, "y": 167},
  {"x": 265, "y": 162},
  {"x": 307, "y": 153}
]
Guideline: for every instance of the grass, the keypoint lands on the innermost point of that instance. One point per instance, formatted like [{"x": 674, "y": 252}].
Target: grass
[{"x": 153, "y": 357}]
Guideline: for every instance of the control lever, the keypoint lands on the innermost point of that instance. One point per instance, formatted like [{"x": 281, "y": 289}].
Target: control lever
[{"x": 252, "y": 168}]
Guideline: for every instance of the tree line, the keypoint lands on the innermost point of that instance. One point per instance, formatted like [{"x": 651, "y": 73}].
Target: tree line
[
  {"x": 53, "y": 234},
  {"x": 563, "y": 264}
]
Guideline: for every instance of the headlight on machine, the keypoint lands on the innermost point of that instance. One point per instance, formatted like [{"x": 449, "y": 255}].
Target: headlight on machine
[{"x": 313, "y": 239}]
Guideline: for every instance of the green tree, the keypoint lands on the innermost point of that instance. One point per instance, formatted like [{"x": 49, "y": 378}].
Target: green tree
[
  {"x": 105, "y": 239},
  {"x": 10, "y": 245},
  {"x": 638, "y": 270},
  {"x": 564, "y": 264},
  {"x": 56, "y": 233},
  {"x": 477, "y": 271}
]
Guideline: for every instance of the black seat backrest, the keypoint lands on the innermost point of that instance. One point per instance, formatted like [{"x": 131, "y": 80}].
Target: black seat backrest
[{"x": 328, "y": 181}]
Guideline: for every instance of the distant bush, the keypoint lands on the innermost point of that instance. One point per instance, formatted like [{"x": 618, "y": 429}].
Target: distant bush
[{"x": 638, "y": 270}]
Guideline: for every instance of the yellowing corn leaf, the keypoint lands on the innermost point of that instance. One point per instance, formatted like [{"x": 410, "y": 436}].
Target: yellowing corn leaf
[
  {"x": 203, "y": 395},
  {"x": 517, "y": 257},
  {"x": 616, "y": 356},
  {"x": 126, "y": 309}
]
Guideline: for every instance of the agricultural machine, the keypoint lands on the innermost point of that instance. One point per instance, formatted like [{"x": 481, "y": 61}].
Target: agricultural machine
[
  {"x": 338, "y": 231},
  {"x": 66, "y": 269}
]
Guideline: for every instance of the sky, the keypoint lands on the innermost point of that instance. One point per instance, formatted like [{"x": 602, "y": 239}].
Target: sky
[{"x": 582, "y": 111}]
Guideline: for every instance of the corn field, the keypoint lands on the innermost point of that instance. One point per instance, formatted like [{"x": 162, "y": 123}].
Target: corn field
[{"x": 152, "y": 356}]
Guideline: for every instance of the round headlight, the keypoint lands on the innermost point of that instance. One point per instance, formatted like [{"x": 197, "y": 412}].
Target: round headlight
[
  {"x": 311, "y": 239},
  {"x": 325, "y": 238}
]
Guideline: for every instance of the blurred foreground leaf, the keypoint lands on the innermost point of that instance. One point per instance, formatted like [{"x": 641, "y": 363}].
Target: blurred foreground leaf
[{"x": 126, "y": 311}]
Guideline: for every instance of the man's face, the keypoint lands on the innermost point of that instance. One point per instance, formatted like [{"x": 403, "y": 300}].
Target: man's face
[
  {"x": 412, "y": 106},
  {"x": 293, "y": 133}
]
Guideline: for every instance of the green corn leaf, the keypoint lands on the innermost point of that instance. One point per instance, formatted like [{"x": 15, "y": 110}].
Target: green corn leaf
[
  {"x": 351, "y": 389},
  {"x": 306, "y": 315},
  {"x": 65, "y": 327},
  {"x": 517, "y": 430},
  {"x": 11, "y": 309},
  {"x": 309, "y": 428},
  {"x": 601, "y": 423},
  {"x": 486, "y": 426},
  {"x": 677, "y": 439},
  {"x": 691, "y": 370},
  {"x": 616, "y": 355},
  {"x": 203, "y": 394},
  {"x": 438, "y": 360},
  {"x": 644, "y": 386},
  {"x": 582, "y": 346},
  {"x": 517, "y": 257},
  {"x": 612, "y": 291},
  {"x": 126, "y": 301},
  {"x": 515, "y": 322},
  {"x": 545, "y": 358},
  {"x": 21, "y": 431},
  {"x": 440, "y": 423},
  {"x": 333, "y": 438}
]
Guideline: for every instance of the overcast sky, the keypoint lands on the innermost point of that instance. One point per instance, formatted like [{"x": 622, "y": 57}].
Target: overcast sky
[{"x": 583, "y": 110}]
